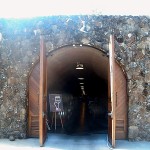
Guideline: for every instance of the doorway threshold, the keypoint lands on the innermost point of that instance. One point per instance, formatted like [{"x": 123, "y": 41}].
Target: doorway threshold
[{"x": 73, "y": 142}]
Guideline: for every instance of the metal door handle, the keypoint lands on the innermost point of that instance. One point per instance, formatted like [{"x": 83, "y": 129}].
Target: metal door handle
[{"x": 110, "y": 114}]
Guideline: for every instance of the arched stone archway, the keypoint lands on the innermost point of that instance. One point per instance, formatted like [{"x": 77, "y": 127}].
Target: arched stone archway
[{"x": 61, "y": 65}]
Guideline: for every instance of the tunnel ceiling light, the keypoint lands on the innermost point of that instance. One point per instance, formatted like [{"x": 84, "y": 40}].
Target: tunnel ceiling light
[
  {"x": 82, "y": 87},
  {"x": 81, "y": 83},
  {"x": 83, "y": 92},
  {"x": 81, "y": 78},
  {"x": 79, "y": 66}
]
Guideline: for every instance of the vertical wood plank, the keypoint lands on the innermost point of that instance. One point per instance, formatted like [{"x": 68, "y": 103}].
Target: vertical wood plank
[
  {"x": 112, "y": 91},
  {"x": 42, "y": 95}
]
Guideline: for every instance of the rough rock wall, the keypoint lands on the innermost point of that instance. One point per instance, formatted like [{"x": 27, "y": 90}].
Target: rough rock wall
[{"x": 19, "y": 50}]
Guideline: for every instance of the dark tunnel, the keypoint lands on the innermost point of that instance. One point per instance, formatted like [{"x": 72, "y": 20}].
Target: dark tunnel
[{"x": 84, "y": 91}]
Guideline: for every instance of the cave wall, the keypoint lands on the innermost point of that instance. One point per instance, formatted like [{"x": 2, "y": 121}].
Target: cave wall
[{"x": 19, "y": 50}]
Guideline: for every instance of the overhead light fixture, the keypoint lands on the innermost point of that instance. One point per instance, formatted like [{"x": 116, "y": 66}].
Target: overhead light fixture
[
  {"x": 83, "y": 92},
  {"x": 81, "y": 78},
  {"x": 79, "y": 66},
  {"x": 82, "y": 87},
  {"x": 81, "y": 83}
]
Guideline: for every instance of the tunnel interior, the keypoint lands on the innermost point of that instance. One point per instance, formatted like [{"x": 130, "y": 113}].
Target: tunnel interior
[{"x": 84, "y": 91}]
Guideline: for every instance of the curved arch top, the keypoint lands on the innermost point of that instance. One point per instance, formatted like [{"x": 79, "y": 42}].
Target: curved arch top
[{"x": 64, "y": 60}]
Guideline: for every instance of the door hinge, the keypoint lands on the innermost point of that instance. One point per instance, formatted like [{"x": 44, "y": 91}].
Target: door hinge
[
  {"x": 110, "y": 114},
  {"x": 43, "y": 114}
]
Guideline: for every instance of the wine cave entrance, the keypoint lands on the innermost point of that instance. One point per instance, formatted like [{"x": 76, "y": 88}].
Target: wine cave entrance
[
  {"x": 84, "y": 93},
  {"x": 84, "y": 90}
]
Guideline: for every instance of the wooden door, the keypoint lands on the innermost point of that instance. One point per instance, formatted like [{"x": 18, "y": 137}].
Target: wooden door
[
  {"x": 111, "y": 94},
  {"x": 42, "y": 93},
  {"x": 121, "y": 103},
  {"x": 33, "y": 115}
]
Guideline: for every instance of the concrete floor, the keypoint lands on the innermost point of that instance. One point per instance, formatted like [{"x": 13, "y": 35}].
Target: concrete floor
[{"x": 67, "y": 142}]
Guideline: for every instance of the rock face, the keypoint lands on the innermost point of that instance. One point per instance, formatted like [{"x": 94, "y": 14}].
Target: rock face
[
  {"x": 133, "y": 132},
  {"x": 19, "y": 50},
  {"x": 11, "y": 138}
]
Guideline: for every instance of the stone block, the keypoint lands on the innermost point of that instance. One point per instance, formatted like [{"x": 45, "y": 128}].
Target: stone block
[
  {"x": 148, "y": 120},
  {"x": 11, "y": 80},
  {"x": 148, "y": 107},
  {"x": 133, "y": 132},
  {"x": 147, "y": 77},
  {"x": 11, "y": 138}
]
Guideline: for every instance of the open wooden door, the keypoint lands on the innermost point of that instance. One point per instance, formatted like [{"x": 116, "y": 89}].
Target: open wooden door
[
  {"x": 43, "y": 93},
  {"x": 111, "y": 94}
]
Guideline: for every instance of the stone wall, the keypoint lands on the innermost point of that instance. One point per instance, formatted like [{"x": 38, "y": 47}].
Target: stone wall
[{"x": 19, "y": 50}]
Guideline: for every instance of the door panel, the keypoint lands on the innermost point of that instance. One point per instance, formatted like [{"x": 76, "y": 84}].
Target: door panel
[
  {"x": 111, "y": 94},
  {"x": 121, "y": 103},
  {"x": 117, "y": 99},
  {"x": 33, "y": 115},
  {"x": 43, "y": 93}
]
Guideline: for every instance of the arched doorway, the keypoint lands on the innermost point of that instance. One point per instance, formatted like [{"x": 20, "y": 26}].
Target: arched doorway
[{"x": 63, "y": 78}]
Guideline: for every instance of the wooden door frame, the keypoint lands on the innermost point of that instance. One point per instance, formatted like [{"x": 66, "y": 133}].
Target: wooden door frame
[
  {"x": 111, "y": 94},
  {"x": 42, "y": 93}
]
